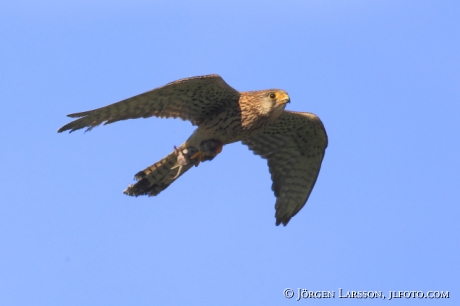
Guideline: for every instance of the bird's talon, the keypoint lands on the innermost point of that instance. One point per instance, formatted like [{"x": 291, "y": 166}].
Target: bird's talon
[{"x": 198, "y": 155}]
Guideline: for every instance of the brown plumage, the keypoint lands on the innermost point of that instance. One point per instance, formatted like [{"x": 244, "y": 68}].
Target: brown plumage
[{"x": 293, "y": 143}]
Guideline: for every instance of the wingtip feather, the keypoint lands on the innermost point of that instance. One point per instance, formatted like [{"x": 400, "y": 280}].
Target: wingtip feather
[{"x": 78, "y": 115}]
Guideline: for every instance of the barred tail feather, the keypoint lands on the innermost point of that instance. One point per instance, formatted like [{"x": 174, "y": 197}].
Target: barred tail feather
[{"x": 156, "y": 178}]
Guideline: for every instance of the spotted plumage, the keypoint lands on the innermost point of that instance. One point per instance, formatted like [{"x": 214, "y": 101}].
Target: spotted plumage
[{"x": 293, "y": 143}]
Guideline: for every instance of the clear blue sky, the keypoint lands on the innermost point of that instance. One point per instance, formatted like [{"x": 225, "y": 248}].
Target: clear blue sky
[{"x": 384, "y": 76}]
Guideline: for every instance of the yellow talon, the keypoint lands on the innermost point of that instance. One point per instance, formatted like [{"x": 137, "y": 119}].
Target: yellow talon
[{"x": 199, "y": 156}]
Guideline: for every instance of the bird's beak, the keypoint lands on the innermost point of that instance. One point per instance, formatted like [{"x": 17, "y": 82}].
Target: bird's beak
[{"x": 286, "y": 99}]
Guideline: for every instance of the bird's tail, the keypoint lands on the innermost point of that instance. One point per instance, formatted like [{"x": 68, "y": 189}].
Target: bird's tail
[{"x": 156, "y": 178}]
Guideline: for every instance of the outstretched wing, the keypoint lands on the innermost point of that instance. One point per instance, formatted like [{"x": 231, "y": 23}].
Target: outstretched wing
[
  {"x": 294, "y": 146},
  {"x": 194, "y": 99}
]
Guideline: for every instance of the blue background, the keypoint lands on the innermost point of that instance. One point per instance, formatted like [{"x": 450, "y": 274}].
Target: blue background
[{"x": 384, "y": 76}]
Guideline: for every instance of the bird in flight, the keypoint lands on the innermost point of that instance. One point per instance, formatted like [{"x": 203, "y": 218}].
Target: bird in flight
[{"x": 293, "y": 143}]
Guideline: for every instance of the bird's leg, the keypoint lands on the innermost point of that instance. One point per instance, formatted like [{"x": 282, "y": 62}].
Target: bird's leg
[
  {"x": 197, "y": 158},
  {"x": 219, "y": 148},
  {"x": 209, "y": 150},
  {"x": 211, "y": 147}
]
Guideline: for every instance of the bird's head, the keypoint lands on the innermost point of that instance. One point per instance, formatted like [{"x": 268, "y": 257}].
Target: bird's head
[{"x": 273, "y": 102}]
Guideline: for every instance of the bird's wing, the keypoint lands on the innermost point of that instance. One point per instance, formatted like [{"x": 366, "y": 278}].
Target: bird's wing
[
  {"x": 194, "y": 99},
  {"x": 294, "y": 146}
]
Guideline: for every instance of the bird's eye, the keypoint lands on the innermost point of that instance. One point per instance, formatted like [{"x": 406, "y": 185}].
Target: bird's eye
[{"x": 272, "y": 95}]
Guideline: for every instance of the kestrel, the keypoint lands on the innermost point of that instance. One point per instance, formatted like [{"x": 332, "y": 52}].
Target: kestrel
[{"x": 294, "y": 143}]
